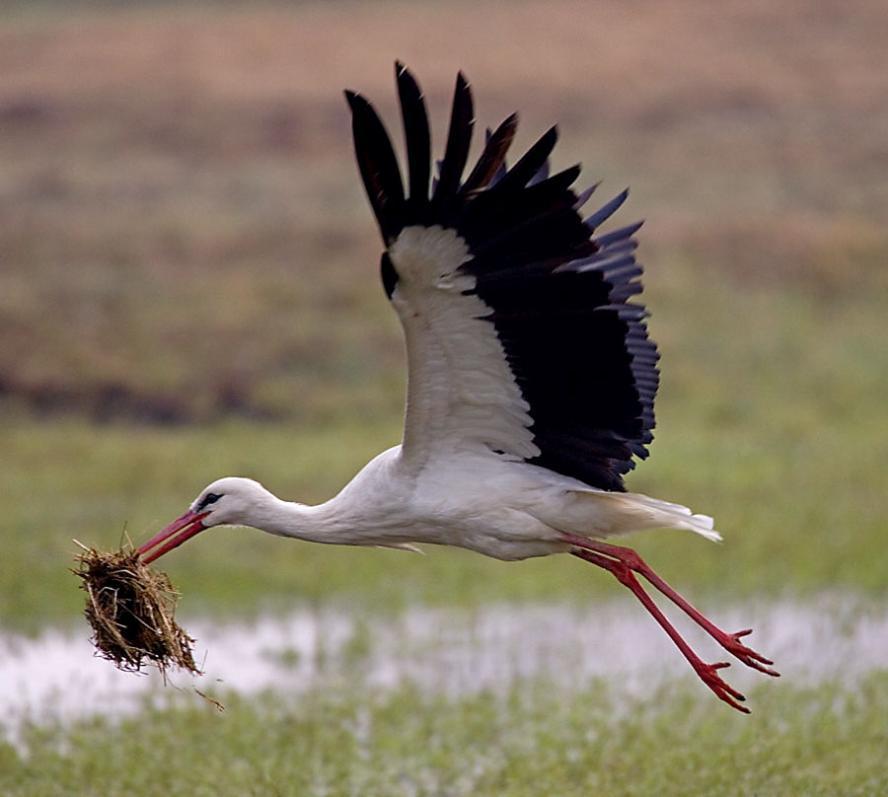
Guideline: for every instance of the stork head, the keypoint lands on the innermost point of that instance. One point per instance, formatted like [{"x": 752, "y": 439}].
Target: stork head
[{"x": 229, "y": 501}]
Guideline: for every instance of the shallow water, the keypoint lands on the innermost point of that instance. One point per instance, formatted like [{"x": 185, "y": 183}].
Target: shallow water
[{"x": 56, "y": 677}]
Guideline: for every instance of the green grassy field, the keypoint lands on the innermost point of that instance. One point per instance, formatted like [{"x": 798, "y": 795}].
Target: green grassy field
[
  {"x": 188, "y": 289},
  {"x": 533, "y": 741},
  {"x": 774, "y": 435}
]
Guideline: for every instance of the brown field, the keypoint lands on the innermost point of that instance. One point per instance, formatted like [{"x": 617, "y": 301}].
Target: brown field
[{"x": 182, "y": 230}]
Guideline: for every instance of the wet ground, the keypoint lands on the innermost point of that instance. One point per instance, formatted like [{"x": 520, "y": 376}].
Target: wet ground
[{"x": 56, "y": 677}]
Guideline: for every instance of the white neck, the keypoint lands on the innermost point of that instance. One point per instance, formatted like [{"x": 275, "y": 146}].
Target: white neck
[{"x": 321, "y": 523}]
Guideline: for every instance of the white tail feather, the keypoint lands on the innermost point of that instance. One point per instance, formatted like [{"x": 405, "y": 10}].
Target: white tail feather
[
  {"x": 676, "y": 516},
  {"x": 634, "y": 512}
]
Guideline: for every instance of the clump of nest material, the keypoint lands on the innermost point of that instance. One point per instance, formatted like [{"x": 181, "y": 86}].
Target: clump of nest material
[{"x": 131, "y": 609}]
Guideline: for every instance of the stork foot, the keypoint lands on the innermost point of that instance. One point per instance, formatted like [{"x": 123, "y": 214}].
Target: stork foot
[
  {"x": 732, "y": 644},
  {"x": 723, "y": 691}
]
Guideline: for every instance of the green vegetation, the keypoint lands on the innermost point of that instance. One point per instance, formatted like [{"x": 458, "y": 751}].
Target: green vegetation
[
  {"x": 772, "y": 428},
  {"x": 532, "y": 741}
]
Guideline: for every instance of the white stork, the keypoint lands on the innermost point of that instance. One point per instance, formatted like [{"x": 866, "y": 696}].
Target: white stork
[{"x": 531, "y": 374}]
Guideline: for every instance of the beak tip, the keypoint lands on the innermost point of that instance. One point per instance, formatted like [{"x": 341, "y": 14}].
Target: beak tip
[{"x": 172, "y": 536}]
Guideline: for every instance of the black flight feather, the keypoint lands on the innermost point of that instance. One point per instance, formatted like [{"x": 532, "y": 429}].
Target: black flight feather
[
  {"x": 378, "y": 165},
  {"x": 607, "y": 210},
  {"x": 417, "y": 137},
  {"x": 459, "y": 138},
  {"x": 530, "y": 163},
  {"x": 494, "y": 156}
]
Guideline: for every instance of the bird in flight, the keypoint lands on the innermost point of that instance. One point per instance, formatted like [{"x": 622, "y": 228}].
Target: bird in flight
[{"x": 531, "y": 376}]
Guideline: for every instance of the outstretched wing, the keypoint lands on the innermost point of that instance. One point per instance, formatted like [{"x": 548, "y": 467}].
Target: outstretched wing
[{"x": 521, "y": 337}]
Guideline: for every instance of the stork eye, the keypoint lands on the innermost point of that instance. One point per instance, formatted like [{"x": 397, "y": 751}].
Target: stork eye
[{"x": 209, "y": 498}]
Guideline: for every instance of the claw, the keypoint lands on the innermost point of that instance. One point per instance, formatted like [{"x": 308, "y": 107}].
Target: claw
[
  {"x": 720, "y": 688},
  {"x": 747, "y": 655}
]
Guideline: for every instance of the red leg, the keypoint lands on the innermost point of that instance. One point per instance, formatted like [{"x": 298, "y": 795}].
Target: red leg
[
  {"x": 708, "y": 672},
  {"x": 730, "y": 642}
]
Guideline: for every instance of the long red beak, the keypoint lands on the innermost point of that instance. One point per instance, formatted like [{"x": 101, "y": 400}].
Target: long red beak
[{"x": 181, "y": 529}]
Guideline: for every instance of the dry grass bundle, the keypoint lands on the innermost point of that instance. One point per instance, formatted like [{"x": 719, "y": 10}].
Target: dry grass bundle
[{"x": 131, "y": 609}]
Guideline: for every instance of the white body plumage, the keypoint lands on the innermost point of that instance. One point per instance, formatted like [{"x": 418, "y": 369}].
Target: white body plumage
[
  {"x": 506, "y": 510},
  {"x": 460, "y": 477}
]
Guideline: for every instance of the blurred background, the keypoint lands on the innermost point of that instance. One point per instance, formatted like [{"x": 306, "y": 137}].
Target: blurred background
[{"x": 189, "y": 287}]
